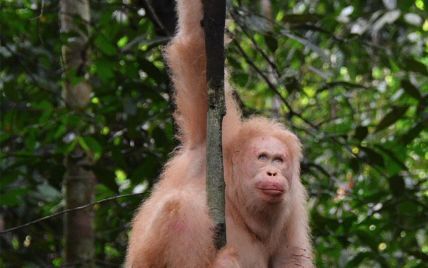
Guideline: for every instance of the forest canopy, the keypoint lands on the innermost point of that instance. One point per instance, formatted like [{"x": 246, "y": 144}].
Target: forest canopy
[{"x": 350, "y": 78}]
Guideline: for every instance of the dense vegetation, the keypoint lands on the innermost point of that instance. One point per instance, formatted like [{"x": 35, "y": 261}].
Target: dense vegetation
[{"x": 349, "y": 77}]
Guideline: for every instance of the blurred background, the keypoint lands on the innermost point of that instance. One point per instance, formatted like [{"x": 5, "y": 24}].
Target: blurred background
[{"x": 86, "y": 114}]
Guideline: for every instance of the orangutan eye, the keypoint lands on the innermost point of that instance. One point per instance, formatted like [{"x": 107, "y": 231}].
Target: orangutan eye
[
  {"x": 278, "y": 160},
  {"x": 262, "y": 157}
]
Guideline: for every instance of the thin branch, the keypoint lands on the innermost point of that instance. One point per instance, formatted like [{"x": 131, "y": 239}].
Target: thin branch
[
  {"x": 256, "y": 46},
  {"x": 292, "y": 112},
  {"x": 214, "y": 22},
  {"x": 156, "y": 18},
  {"x": 30, "y": 74},
  {"x": 271, "y": 85},
  {"x": 68, "y": 211}
]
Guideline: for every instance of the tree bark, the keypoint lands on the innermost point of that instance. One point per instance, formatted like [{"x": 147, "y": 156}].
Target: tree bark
[
  {"x": 79, "y": 181},
  {"x": 214, "y": 22}
]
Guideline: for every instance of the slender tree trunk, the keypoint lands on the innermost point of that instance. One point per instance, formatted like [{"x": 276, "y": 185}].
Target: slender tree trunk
[
  {"x": 79, "y": 181},
  {"x": 214, "y": 21}
]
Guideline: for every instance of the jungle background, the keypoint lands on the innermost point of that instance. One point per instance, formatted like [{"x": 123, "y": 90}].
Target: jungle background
[{"x": 350, "y": 78}]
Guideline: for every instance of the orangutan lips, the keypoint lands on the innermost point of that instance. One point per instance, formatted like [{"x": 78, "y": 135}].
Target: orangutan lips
[{"x": 271, "y": 188}]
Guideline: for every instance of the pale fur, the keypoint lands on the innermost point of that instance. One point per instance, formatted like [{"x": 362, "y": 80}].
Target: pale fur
[{"x": 172, "y": 228}]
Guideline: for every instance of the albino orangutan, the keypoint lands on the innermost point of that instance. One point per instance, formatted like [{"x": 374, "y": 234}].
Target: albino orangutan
[{"x": 266, "y": 218}]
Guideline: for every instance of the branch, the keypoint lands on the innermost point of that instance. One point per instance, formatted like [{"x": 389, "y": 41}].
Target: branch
[
  {"x": 214, "y": 22},
  {"x": 67, "y": 211},
  {"x": 271, "y": 85}
]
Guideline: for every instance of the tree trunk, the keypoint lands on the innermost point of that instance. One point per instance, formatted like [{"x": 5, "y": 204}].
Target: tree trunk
[
  {"x": 214, "y": 21},
  {"x": 79, "y": 181}
]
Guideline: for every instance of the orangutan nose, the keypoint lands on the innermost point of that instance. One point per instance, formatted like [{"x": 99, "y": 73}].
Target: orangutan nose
[{"x": 271, "y": 173}]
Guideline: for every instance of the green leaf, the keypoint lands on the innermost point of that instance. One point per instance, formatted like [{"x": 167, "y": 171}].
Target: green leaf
[
  {"x": 122, "y": 41},
  {"x": 46, "y": 108},
  {"x": 70, "y": 147},
  {"x": 91, "y": 145},
  {"x": 412, "y": 133},
  {"x": 393, "y": 116},
  {"x": 60, "y": 131},
  {"x": 392, "y": 154},
  {"x": 105, "y": 69},
  {"x": 410, "y": 89},
  {"x": 373, "y": 157},
  {"x": 12, "y": 197},
  {"x": 411, "y": 64},
  {"x": 83, "y": 144},
  {"x": 105, "y": 45}
]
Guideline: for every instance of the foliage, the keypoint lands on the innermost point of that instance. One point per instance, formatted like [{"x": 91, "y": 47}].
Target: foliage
[
  {"x": 127, "y": 128},
  {"x": 349, "y": 77}
]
